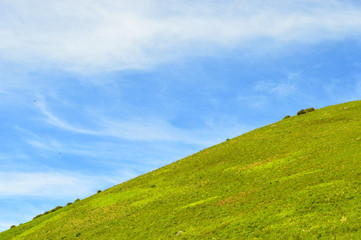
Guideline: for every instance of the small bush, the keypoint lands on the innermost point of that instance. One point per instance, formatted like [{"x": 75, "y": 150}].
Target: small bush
[
  {"x": 77, "y": 200},
  {"x": 12, "y": 226},
  {"x": 69, "y": 203},
  {"x": 288, "y": 116},
  {"x": 47, "y": 212},
  {"x": 77, "y": 235},
  {"x": 302, "y": 111},
  {"x": 57, "y": 208},
  {"x": 38, "y": 216},
  {"x": 99, "y": 191}
]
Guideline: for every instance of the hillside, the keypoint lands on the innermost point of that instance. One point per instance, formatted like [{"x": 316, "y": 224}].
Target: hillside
[{"x": 299, "y": 178}]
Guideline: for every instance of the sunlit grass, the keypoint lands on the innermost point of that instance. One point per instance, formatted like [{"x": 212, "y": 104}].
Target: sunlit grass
[{"x": 299, "y": 178}]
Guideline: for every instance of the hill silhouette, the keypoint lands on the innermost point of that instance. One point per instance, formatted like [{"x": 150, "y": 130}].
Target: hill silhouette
[{"x": 299, "y": 178}]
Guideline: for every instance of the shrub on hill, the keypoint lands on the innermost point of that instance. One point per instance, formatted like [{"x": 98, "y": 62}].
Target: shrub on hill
[
  {"x": 288, "y": 116},
  {"x": 53, "y": 210},
  {"x": 37, "y": 216},
  {"x": 304, "y": 111},
  {"x": 47, "y": 212}
]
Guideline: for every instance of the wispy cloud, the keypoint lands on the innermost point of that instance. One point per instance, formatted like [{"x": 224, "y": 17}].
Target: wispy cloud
[
  {"x": 57, "y": 122},
  {"x": 88, "y": 36},
  {"x": 281, "y": 89},
  {"x": 42, "y": 184},
  {"x": 54, "y": 184},
  {"x": 5, "y": 225},
  {"x": 142, "y": 129}
]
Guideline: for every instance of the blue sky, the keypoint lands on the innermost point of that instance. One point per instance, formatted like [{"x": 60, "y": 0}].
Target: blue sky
[{"x": 94, "y": 94}]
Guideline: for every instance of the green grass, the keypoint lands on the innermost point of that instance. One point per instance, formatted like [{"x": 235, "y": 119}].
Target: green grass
[{"x": 299, "y": 178}]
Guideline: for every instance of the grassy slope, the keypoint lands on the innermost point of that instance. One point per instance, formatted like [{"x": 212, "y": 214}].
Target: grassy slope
[{"x": 296, "y": 179}]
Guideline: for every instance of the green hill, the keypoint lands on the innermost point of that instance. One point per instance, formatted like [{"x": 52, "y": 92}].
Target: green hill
[{"x": 299, "y": 178}]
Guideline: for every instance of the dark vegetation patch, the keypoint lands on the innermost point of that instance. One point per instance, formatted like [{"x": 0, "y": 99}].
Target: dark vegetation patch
[
  {"x": 304, "y": 111},
  {"x": 56, "y": 208},
  {"x": 47, "y": 212}
]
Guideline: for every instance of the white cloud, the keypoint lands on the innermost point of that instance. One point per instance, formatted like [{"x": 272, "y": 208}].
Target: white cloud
[
  {"x": 143, "y": 129},
  {"x": 41, "y": 184},
  {"x": 282, "y": 89},
  {"x": 90, "y": 36},
  {"x": 5, "y": 225},
  {"x": 54, "y": 184},
  {"x": 55, "y": 121}
]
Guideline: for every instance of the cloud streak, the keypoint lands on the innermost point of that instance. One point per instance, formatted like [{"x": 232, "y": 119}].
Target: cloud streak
[
  {"x": 46, "y": 184},
  {"x": 93, "y": 36},
  {"x": 141, "y": 129},
  {"x": 281, "y": 89}
]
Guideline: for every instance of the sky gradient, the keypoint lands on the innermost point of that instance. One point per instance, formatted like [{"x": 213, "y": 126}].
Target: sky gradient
[{"x": 94, "y": 93}]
